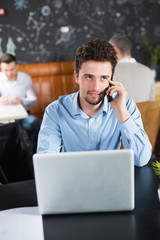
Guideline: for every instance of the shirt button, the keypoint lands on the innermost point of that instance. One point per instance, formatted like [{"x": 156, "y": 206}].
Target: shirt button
[{"x": 125, "y": 130}]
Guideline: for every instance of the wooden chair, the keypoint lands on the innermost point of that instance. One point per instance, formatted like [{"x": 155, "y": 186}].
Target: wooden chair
[{"x": 150, "y": 113}]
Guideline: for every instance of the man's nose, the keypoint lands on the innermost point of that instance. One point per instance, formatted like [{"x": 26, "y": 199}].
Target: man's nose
[
  {"x": 9, "y": 73},
  {"x": 96, "y": 83}
]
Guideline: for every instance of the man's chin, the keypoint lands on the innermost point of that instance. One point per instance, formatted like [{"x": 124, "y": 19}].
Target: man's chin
[{"x": 94, "y": 102}]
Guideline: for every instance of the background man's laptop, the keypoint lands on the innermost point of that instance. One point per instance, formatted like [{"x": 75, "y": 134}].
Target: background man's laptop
[{"x": 91, "y": 181}]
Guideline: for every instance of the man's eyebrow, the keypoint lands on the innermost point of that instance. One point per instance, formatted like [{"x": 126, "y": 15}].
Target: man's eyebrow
[
  {"x": 107, "y": 76},
  {"x": 87, "y": 74}
]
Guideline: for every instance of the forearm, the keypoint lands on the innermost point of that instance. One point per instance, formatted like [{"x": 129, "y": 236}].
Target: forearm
[
  {"x": 47, "y": 142},
  {"x": 29, "y": 102},
  {"x": 49, "y": 139},
  {"x": 122, "y": 116},
  {"x": 134, "y": 137},
  {"x": 30, "y": 98}
]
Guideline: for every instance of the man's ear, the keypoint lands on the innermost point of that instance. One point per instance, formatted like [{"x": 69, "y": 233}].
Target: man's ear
[
  {"x": 116, "y": 49},
  {"x": 76, "y": 77}
]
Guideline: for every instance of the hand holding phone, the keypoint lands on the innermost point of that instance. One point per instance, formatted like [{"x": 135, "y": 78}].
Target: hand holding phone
[{"x": 110, "y": 98}]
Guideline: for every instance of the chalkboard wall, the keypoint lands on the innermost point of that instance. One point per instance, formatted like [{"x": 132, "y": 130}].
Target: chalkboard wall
[{"x": 51, "y": 30}]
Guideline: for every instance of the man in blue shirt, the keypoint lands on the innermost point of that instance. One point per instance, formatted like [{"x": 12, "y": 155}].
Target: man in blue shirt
[{"x": 87, "y": 120}]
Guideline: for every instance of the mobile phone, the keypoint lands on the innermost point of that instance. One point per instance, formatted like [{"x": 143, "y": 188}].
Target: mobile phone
[{"x": 110, "y": 98}]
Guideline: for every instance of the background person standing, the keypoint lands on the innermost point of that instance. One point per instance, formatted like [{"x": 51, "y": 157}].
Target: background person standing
[{"x": 137, "y": 78}]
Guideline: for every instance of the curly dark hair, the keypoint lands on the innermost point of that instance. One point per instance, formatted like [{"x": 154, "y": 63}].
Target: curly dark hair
[{"x": 97, "y": 50}]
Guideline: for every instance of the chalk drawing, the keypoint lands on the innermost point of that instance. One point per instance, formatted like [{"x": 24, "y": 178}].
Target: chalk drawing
[
  {"x": 37, "y": 26},
  {"x": 45, "y": 10},
  {"x": 65, "y": 36},
  {"x": 14, "y": 41},
  {"x": 11, "y": 47},
  {"x": 20, "y": 4},
  {"x": 51, "y": 30},
  {"x": 57, "y": 4}
]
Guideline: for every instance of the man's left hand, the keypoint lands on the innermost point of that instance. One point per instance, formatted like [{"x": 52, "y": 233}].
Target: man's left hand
[
  {"x": 17, "y": 101},
  {"x": 119, "y": 104}
]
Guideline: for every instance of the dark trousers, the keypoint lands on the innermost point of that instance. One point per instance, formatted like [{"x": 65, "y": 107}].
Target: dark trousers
[{"x": 32, "y": 125}]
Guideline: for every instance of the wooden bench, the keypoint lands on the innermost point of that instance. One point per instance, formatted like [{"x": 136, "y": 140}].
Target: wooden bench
[{"x": 51, "y": 80}]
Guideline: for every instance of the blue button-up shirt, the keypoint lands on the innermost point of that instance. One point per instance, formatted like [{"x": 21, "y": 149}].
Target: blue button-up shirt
[{"x": 66, "y": 127}]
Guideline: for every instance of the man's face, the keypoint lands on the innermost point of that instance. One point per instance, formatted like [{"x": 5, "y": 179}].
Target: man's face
[
  {"x": 93, "y": 80},
  {"x": 10, "y": 70}
]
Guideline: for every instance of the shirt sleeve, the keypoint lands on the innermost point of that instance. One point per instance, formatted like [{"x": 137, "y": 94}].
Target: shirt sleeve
[
  {"x": 50, "y": 137},
  {"x": 30, "y": 99},
  {"x": 134, "y": 137}
]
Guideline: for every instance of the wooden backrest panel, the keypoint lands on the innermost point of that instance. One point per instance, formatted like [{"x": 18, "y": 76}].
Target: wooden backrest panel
[
  {"x": 150, "y": 113},
  {"x": 51, "y": 80}
]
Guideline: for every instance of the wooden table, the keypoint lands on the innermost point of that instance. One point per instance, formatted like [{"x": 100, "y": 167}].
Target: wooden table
[{"x": 143, "y": 223}]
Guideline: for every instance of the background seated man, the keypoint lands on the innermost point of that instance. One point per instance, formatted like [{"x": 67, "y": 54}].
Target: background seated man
[
  {"x": 86, "y": 120},
  {"x": 137, "y": 78},
  {"x": 17, "y": 88}
]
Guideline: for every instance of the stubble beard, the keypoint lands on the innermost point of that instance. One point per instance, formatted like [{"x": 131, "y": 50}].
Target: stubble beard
[{"x": 95, "y": 102}]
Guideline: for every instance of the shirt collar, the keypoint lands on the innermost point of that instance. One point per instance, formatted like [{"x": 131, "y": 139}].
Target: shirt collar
[
  {"x": 5, "y": 79},
  {"x": 127, "y": 60},
  {"x": 76, "y": 110}
]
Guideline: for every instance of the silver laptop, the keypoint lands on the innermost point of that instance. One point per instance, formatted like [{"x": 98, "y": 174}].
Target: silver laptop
[{"x": 89, "y": 181}]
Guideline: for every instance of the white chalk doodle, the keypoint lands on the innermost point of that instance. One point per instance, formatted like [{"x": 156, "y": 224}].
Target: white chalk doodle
[
  {"x": 11, "y": 47},
  {"x": 65, "y": 36},
  {"x": 14, "y": 40},
  {"x": 51, "y": 30},
  {"x": 37, "y": 26},
  {"x": 45, "y": 10},
  {"x": 20, "y": 4}
]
